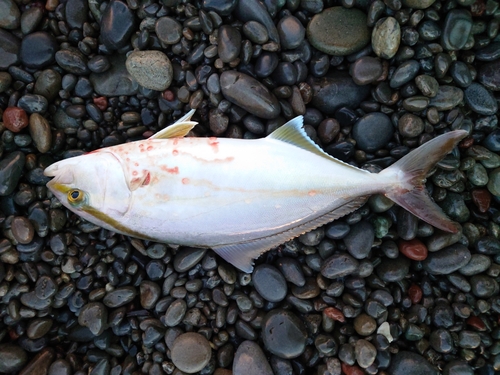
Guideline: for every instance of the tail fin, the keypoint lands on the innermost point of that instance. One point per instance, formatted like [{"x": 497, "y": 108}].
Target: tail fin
[{"x": 412, "y": 170}]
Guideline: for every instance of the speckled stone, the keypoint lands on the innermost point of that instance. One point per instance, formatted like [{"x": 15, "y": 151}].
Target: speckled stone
[
  {"x": 191, "y": 352},
  {"x": 386, "y": 36},
  {"x": 151, "y": 69}
]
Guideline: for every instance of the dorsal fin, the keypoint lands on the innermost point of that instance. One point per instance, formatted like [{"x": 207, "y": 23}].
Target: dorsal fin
[
  {"x": 293, "y": 133},
  {"x": 178, "y": 129}
]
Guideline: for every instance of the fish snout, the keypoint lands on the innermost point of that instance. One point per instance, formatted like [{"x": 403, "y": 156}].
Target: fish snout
[{"x": 62, "y": 175}]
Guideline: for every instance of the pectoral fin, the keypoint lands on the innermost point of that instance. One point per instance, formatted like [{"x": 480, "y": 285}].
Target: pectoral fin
[
  {"x": 242, "y": 254},
  {"x": 178, "y": 129}
]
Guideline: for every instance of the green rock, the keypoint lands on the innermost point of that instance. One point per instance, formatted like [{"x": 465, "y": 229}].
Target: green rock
[
  {"x": 338, "y": 31},
  {"x": 381, "y": 226},
  {"x": 494, "y": 182},
  {"x": 478, "y": 175},
  {"x": 456, "y": 29},
  {"x": 454, "y": 206}
]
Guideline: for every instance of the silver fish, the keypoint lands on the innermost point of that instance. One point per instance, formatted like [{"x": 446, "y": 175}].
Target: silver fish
[{"x": 238, "y": 197}]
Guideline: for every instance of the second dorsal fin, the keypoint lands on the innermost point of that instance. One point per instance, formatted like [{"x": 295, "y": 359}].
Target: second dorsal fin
[
  {"x": 178, "y": 129},
  {"x": 293, "y": 133}
]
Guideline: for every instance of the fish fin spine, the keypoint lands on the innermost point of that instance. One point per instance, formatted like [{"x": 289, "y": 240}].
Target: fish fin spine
[{"x": 411, "y": 171}]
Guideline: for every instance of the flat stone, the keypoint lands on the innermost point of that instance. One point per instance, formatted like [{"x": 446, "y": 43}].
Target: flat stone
[
  {"x": 168, "y": 30},
  {"x": 10, "y": 16},
  {"x": 115, "y": 81},
  {"x": 254, "y": 10},
  {"x": 338, "y": 31},
  {"x": 291, "y": 32},
  {"x": 38, "y": 49},
  {"x": 373, "y": 131},
  {"x": 456, "y": 29},
  {"x": 191, "y": 352},
  {"x": 94, "y": 316},
  {"x": 151, "y": 69},
  {"x": 447, "y": 260},
  {"x": 447, "y": 97},
  {"x": 269, "y": 282},
  {"x": 40, "y": 132},
  {"x": 249, "y": 94},
  {"x": 76, "y": 13},
  {"x": 283, "y": 334},
  {"x": 117, "y": 25},
  {"x": 480, "y": 100},
  {"x": 339, "y": 265}
]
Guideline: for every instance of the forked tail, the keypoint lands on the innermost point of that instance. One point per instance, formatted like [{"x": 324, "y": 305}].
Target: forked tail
[{"x": 411, "y": 172}]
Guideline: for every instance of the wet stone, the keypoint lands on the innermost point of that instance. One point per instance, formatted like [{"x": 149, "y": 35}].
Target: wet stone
[
  {"x": 191, "y": 352},
  {"x": 117, "y": 25},
  {"x": 291, "y": 32},
  {"x": 255, "y": 32},
  {"x": 469, "y": 339},
  {"x": 338, "y": 31},
  {"x": 13, "y": 358},
  {"x": 149, "y": 292},
  {"x": 11, "y": 167},
  {"x": 404, "y": 73},
  {"x": 120, "y": 297},
  {"x": 76, "y": 13},
  {"x": 480, "y": 100},
  {"x": 38, "y": 50},
  {"x": 366, "y": 70},
  {"x": 484, "y": 286},
  {"x": 283, "y": 334},
  {"x": 339, "y": 265},
  {"x": 454, "y": 206},
  {"x": 175, "y": 313},
  {"x": 460, "y": 74},
  {"x": 364, "y": 325},
  {"x": 168, "y": 30},
  {"x": 37, "y": 328},
  {"x": 410, "y": 363},
  {"x": 447, "y": 260},
  {"x": 336, "y": 90},
  {"x": 269, "y": 283},
  {"x": 151, "y": 69},
  {"x": 60, "y": 367},
  {"x": 365, "y": 353},
  {"x": 254, "y": 10},
  {"x": 456, "y": 29},
  {"x": 489, "y": 75},
  {"x": 393, "y": 270},
  {"x": 447, "y": 97},
  {"x": 427, "y": 85},
  {"x": 187, "y": 258},
  {"x": 493, "y": 183},
  {"x": 9, "y": 15},
  {"x": 441, "y": 340},
  {"x": 115, "y": 81},
  {"x": 94, "y": 316},
  {"x": 33, "y": 103},
  {"x": 249, "y": 94},
  {"x": 457, "y": 367},
  {"x": 9, "y": 49},
  {"x": 489, "y": 53},
  {"x": 410, "y": 125},
  {"x": 40, "y": 132},
  {"x": 22, "y": 229},
  {"x": 249, "y": 359},
  {"x": 72, "y": 60},
  {"x": 386, "y": 36},
  {"x": 48, "y": 84},
  {"x": 228, "y": 43},
  {"x": 360, "y": 240},
  {"x": 292, "y": 271},
  {"x": 373, "y": 131}
]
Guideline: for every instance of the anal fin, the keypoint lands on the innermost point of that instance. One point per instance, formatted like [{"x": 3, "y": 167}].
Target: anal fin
[{"x": 242, "y": 254}]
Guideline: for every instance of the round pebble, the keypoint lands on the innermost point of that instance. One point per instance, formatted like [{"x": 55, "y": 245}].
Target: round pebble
[
  {"x": 283, "y": 334},
  {"x": 269, "y": 282},
  {"x": 191, "y": 352},
  {"x": 151, "y": 69}
]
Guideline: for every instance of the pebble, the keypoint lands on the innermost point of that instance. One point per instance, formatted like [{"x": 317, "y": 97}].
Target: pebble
[
  {"x": 187, "y": 258},
  {"x": 393, "y": 270},
  {"x": 191, "y": 352},
  {"x": 427, "y": 85},
  {"x": 404, "y": 73},
  {"x": 117, "y": 25},
  {"x": 410, "y": 363},
  {"x": 291, "y": 32},
  {"x": 9, "y": 49},
  {"x": 334, "y": 91},
  {"x": 373, "y": 131},
  {"x": 366, "y": 70},
  {"x": 283, "y": 334},
  {"x": 480, "y": 100},
  {"x": 269, "y": 283},
  {"x": 360, "y": 240},
  {"x": 254, "y": 10},
  {"x": 249, "y": 359},
  {"x": 338, "y": 31},
  {"x": 48, "y": 84},
  {"x": 413, "y": 249},
  {"x": 120, "y": 296},
  {"x": 13, "y": 358},
  {"x": 441, "y": 341},
  {"x": 228, "y": 43},
  {"x": 33, "y": 103},
  {"x": 151, "y": 69},
  {"x": 386, "y": 36},
  {"x": 255, "y": 32},
  {"x": 489, "y": 53},
  {"x": 15, "y": 119},
  {"x": 365, "y": 353},
  {"x": 94, "y": 316},
  {"x": 493, "y": 182},
  {"x": 76, "y": 13},
  {"x": 364, "y": 324},
  {"x": 9, "y": 15},
  {"x": 418, "y": 4},
  {"x": 249, "y": 94},
  {"x": 168, "y": 30},
  {"x": 484, "y": 286},
  {"x": 339, "y": 265},
  {"x": 460, "y": 73},
  {"x": 22, "y": 229},
  {"x": 456, "y": 29},
  {"x": 40, "y": 132},
  {"x": 489, "y": 75},
  {"x": 447, "y": 260},
  {"x": 38, "y": 50},
  {"x": 447, "y": 97},
  {"x": 72, "y": 60}
]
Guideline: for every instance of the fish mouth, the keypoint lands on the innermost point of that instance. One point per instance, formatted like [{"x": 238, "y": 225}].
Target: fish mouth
[{"x": 63, "y": 177}]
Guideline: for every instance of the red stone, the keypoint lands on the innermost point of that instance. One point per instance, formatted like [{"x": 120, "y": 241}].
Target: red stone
[
  {"x": 413, "y": 249},
  {"x": 15, "y": 119},
  {"x": 168, "y": 95},
  {"x": 476, "y": 323},
  {"x": 101, "y": 102},
  {"x": 351, "y": 370},
  {"x": 334, "y": 314},
  {"x": 482, "y": 199},
  {"x": 477, "y": 9},
  {"x": 466, "y": 142},
  {"x": 415, "y": 294}
]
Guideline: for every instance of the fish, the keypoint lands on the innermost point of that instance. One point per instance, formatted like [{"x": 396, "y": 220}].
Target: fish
[{"x": 237, "y": 197}]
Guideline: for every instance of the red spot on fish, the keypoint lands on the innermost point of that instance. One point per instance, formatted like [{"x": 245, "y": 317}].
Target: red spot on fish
[
  {"x": 214, "y": 143},
  {"x": 174, "y": 170},
  {"x": 134, "y": 173},
  {"x": 312, "y": 193},
  {"x": 92, "y": 152},
  {"x": 149, "y": 148},
  {"x": 136, "y": 164},
  {"x": 175, "y": 152},
  {"x": 141, "y": 145},
  {"x": 147, "y": 180},
  {"x": 176, "y": 141},
  {"x": 127, "y": 159},
  {"x": 185, "y": 181}
]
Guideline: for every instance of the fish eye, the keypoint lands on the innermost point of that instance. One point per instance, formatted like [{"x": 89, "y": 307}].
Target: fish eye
[{"x": 75, "y": 196}]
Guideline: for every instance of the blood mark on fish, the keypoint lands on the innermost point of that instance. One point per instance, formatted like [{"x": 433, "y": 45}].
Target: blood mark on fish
[
  {"x": 147, "y": 179},
  {"x": 174, "y": 170},
  {"x": 175, "y": 152},
  {"x": 214, "y": 143},
  {"x": 185, "y": 181},
  {"x": 312, "y": 193}
]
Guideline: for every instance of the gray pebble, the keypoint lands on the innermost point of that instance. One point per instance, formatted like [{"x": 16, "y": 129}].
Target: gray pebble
[
  {"x": 447, "y": 260},
  {"x": 249, "y": 359}
]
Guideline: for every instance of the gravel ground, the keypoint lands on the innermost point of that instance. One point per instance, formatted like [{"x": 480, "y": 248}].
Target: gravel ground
[{"x": 377, "y": 292}]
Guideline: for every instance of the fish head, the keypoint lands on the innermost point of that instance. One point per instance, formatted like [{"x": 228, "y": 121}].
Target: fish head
[{"x": 93, "y": 186}]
